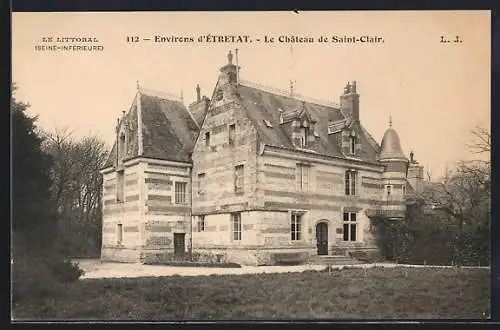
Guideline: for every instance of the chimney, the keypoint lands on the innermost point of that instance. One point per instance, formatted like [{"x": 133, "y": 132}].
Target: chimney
[
  {"x": 198, "y": 93},
  {"x": 349, "y": 101},
  {"x": 199, "y": 108},
  {"x": 229, "y": 72}
]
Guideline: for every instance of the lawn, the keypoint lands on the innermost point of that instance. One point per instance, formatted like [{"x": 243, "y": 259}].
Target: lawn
[{"x": 354, "y": 293}]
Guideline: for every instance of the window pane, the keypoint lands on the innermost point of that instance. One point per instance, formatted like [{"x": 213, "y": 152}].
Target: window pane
[
  {"x": 353, "y": 183},
  {"x": 207, "y": 139},
  {"x": 346, "y": 216},
  {"x": 353, "y": 232},
  {"x": 232, "y": 130},
  {"x": 347, "y": 188},
  {"x": 353, "y": 216},
  {"x": 346, "y": 232}
]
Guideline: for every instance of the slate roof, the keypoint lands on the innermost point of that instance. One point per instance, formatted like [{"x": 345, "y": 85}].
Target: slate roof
[
  {"x": 168, "y": 130},
  {"x": 390, "y": 146},
  {"x": 263, "y": 105}
]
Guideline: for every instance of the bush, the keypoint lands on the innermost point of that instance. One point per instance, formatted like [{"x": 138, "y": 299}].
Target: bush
[
  {"x": 65, "y": 270},
  {"x": 35, "y": 277},
  {"x": 432, "y": 239}
]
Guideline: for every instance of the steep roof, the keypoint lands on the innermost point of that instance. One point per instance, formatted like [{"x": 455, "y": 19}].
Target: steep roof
[
  {"x": 168, "y": 129},
  {"x": 391, "y": 146},
  {"x": 265, "y": 106}
]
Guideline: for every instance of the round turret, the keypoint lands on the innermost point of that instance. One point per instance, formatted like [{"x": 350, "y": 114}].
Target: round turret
[{"x": 390, "y": 148}]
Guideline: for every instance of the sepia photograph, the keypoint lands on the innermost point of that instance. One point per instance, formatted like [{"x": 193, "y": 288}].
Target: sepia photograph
[{"x": 251, "y": 166}]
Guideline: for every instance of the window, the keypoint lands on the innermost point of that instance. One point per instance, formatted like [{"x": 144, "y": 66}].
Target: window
[
  {"x": 201, "y": 183},
  {"x": 200, "y": 224},
  {"x": 207, "y": 139},
  {"x": 119, "y": 233},
  {"x": 239, "y": 179},
  {"x": 122, "y": 147},
  {"x": 120, "y": 186},
  {"x": 304, "y": 132},
  {"x": 350, "y": 226},
  {"x": 219, "y": 95},
  {"x": 232, "y": 133},
  {"x": 180, "y": 192},
  {"x": 302, "y": 177},
  {"x": 403, "y": 189},
  {"x": 350, "y": 182},
  {"x": 236, "y": 226},
  {"x": 296, "y": 226},
  {"x": 352, "y": 144},
  {"x": 388, "y": 189}
]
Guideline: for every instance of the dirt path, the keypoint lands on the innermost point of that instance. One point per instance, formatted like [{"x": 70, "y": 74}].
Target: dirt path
[{"x": 94, "y": 268}]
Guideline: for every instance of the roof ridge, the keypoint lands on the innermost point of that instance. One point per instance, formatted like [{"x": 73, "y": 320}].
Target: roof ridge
[
  {"x": 161, "y": 94},
  {"x": 295, "y": 96},
  {"x": 169, "y": 97}
]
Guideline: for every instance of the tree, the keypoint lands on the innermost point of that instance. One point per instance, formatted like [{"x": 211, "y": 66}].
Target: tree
[
  {"x": 449, "y": 223},
  {"x": 481, "y": 142},
  {"x": 32, "y": 209},
  {"x": 37, "y": 268},
  {"x": 76, "y": 189}
]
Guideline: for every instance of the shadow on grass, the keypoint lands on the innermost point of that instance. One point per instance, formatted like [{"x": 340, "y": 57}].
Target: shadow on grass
[{"x": 360, "y": 293}]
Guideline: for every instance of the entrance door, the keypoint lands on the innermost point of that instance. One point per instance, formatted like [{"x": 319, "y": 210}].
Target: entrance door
[
  {"x": 322, "y": 238},
  {"x": 179, "y": 244}
]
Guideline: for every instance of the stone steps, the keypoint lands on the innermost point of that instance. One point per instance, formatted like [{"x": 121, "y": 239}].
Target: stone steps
[{"x": 333, "y": 260}]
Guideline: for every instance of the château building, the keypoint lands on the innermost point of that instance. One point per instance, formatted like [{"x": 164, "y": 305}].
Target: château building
[{"x": 249, "y": 174}]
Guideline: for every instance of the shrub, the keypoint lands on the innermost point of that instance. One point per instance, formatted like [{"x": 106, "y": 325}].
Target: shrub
[
  {"x": 432, "y": 239},
  {"x": 35, "y": 277},
  {"x": 65, "y": 270}
]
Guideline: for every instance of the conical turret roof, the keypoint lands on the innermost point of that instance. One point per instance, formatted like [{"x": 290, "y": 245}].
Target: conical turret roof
[{"x": 391, "y": 147}]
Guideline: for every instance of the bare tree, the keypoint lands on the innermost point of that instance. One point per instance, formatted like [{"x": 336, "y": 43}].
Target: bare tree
[
  {"x": 463, "y": 198},
  {"x": 77, "y": 188},
  {"x": 481, "y": 142}
]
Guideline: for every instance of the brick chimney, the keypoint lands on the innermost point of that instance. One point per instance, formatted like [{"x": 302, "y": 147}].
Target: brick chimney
[
  {"x": 349, "y": 101},
  {"x": 228, "y": 72},
  {"x": 199, "y": 107}
]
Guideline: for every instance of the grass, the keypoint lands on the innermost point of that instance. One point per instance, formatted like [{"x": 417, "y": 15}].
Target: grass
[{"x": 355, "y": 293}]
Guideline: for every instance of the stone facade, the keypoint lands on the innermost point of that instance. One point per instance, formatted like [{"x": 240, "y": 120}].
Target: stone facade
[{"x": 249, "y": 176}]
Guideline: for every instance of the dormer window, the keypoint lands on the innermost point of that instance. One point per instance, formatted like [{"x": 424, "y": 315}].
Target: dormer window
[
  {"x": 303, "y": 137},
  {"x": 352, "y": 143},
  {"x": 207, "y": 139},
  {"x": 122, "y": 147},
  {"x": 304, "y": 133},
  {"x": 219, "y": 95}
]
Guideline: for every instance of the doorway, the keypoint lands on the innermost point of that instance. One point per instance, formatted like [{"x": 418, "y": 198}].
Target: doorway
[
  {"x": 322, "y": 238},
  {"x": 179, "y": 244}
]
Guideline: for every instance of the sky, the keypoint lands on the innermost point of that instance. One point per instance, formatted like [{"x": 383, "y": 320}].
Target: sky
[{"x": 435, "y": 92}]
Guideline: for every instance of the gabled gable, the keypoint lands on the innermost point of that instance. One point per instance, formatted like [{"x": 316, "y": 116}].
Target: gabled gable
[
  {"x": 167, "y": 130},
  {"x": 265, "y": 107}
]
